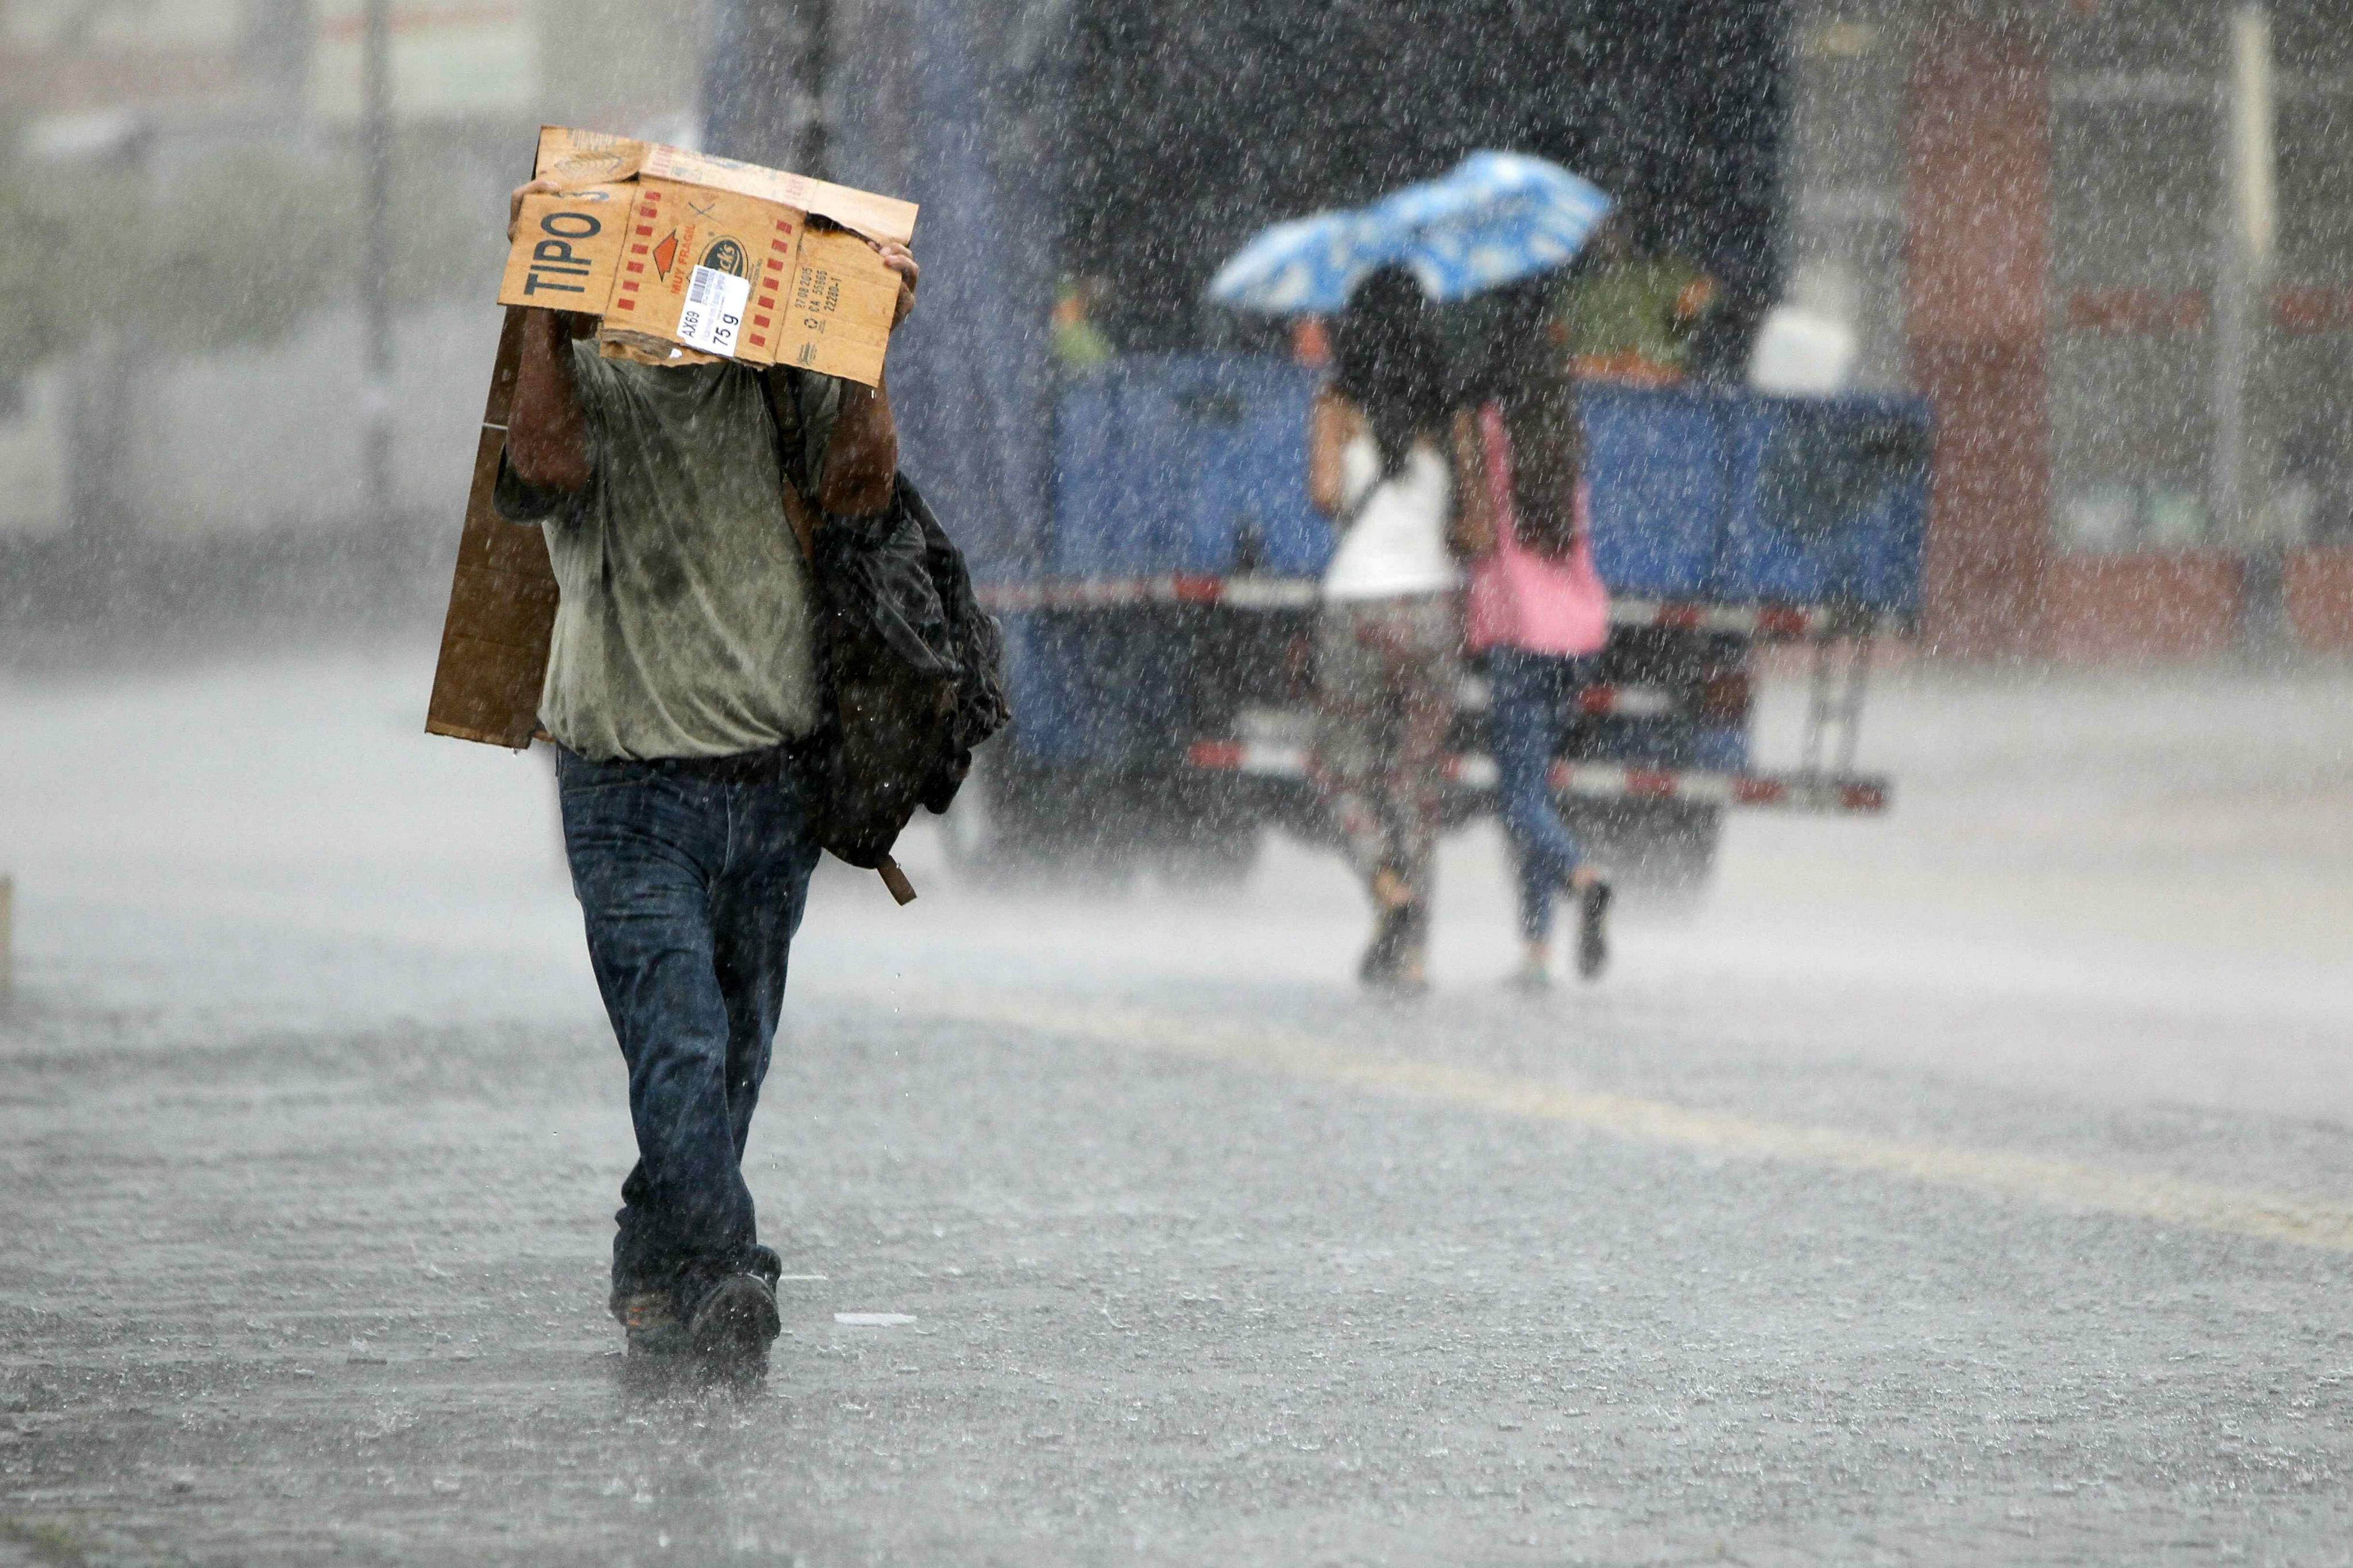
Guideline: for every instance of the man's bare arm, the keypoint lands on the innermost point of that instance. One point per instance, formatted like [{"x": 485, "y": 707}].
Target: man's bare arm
[
  {"x": 861, "y": 463},
  {"x": 547, "y": 433}
]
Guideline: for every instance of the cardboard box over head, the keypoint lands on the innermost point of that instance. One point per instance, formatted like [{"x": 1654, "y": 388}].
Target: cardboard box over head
[{"x": 688, "y": 258}]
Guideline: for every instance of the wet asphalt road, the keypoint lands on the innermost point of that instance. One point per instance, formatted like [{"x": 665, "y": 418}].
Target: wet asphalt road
[{"x": 1957, "y": 1190}]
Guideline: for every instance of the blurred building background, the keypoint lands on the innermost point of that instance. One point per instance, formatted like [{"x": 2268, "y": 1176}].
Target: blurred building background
[
  {"x": 184, "y": 283},
  {"x": 2114, "y": 243},
  {"x": 2051, "y": 216}
]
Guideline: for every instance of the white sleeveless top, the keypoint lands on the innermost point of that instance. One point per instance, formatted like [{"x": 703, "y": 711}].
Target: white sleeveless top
[{"x": 1397, "y": 546}]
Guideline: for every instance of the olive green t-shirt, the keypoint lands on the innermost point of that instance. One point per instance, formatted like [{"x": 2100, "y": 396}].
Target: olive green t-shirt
[{"x": 683, "y": 626}]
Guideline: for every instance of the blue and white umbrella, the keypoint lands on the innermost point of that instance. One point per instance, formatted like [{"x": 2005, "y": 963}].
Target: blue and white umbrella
[
  {"x": 1496, "y": 218},
  {"x": 1306, "y": 264}
]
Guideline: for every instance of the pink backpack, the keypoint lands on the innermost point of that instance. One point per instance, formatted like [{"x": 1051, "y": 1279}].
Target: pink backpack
[{"x": 1517, "y": 598}]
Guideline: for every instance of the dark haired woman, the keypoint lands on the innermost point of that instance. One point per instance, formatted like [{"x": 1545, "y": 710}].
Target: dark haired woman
[{"x": 1382, "y": 450}]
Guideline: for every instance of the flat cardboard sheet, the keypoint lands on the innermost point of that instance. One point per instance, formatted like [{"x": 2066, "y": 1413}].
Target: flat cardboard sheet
[{"x": 501, "y": 612}]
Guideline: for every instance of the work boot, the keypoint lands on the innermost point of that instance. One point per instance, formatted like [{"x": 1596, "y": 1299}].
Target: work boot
[
  {"x": 736, "y": 1319},
  {"x": 649, "y": 1318}
]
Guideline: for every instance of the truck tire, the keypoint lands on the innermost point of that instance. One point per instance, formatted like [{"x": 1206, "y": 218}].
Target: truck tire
[
  {"x": 1026, "y": 824},
  {"x": 1659, "y": 853},
  {"x": 1210, "y": 857}
]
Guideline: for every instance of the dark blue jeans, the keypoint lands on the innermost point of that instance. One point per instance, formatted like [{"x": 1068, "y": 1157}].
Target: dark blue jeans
[
  {"x": 1531, "y": 699},
  {"x": 691, "y": 888}
]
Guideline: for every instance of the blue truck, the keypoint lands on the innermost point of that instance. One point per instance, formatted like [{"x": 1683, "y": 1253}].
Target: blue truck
[
  {"x": 1144, "y": 531},
  {"x": 1161, "y": 650}
]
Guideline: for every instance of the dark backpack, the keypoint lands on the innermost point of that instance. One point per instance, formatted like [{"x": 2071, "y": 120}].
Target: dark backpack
[{"x": 913, "y": 670}]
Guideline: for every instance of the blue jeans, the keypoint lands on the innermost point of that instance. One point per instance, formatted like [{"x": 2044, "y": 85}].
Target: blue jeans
[
  {"x": 691, "y": 888},
  {"x": 1531, "y": 697}
]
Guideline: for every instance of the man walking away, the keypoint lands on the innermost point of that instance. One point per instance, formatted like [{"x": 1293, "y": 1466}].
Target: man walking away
[{"x": 682, "y": 674}]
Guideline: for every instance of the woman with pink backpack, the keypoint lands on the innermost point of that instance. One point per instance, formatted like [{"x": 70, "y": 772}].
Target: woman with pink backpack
[{"x": 1536, "y": 615}]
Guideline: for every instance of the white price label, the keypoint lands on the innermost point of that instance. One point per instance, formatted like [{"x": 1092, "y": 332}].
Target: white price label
[{"x": 714, "y": 311}]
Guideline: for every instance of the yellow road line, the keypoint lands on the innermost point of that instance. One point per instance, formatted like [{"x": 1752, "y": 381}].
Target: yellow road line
[{"x": 2057, "y": 1183}]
